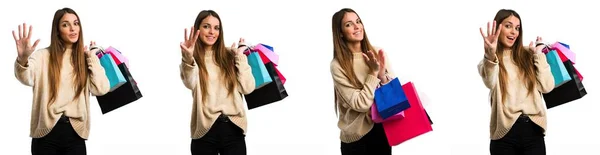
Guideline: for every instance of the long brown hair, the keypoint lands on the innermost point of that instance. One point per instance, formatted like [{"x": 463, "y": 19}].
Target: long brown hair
[
  {"x": 57, "y": 49},
  {"x": 224, "y": 59},
  {"x": 341, "y": 51},
  {"x": 523, "y": 59}
]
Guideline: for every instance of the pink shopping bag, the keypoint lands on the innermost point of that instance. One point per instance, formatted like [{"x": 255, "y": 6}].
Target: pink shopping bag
[
  {"x": 378, "y": 119},
  {"x": 281, "y": 77},
  {"x": 117, "y": 56},
  {"x": 267, "y": 55},
  {"x": 399, "y": 131},
  {"x": 564, "y": 52}
]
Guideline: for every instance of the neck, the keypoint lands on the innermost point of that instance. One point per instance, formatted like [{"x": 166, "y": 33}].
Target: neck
[
  {"x": 68, "y": 46},
  {"x": 354, "y": 47}
]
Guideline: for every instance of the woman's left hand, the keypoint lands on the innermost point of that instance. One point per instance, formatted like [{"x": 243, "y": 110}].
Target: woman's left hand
[{"x": 536, "y": 47}]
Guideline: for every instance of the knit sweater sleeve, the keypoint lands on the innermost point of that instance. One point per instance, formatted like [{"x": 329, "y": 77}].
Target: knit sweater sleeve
[
  {"x": 489, "y": 70},
  {"x": 188, "y": 72},
  {"x": 356, "y": 99},
  {"x": 99, "y": 84},
  {"x": 26, "y": 73},
  {"x": 544, "y": 75}
]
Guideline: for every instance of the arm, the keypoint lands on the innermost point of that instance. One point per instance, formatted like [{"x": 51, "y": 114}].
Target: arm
[
  {"x": 356, "y": 99},
  {"x": 544, "y": 74},
  {"x": 26, "y": 69},
  {"x": 99, "y": 84},
  {"x": 188, "y": 72},
  {"x": 245, "y": 78},
  {"x": 489, "y": 70}
]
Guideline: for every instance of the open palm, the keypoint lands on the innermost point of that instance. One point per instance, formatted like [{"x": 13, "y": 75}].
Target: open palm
[
  {"x": 23, "y": 41},
  {"x": 491, "y": 39},
  {"x": 189, "y": 42}
]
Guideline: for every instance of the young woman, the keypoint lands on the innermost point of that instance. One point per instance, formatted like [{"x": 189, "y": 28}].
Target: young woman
[
  {"x": 357, "y": 70},
  {"x": 217, "y": 77},
  {"x": 516, "y": 77},
  {"x": 62, "y": 76}
]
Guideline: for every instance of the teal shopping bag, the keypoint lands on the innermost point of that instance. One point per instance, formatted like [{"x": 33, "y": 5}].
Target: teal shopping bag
[
  {"x": 112, "y": 71},
  {"x": 259, "y": 71},
  {"x": 559, "y": 71}
]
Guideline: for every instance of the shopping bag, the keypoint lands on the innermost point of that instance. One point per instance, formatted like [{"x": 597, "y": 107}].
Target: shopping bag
[
  {"x": 259, "y": 71},
  {"x": 114, "y": 75},
  {"x": 270, "y": 93},
  {"x": 266, "y": 54},
  {"x": 117, "y": 56},
  {"x": 390, "y": 99},
  {"x": 567, "y": 92},
  {"x": 127, "y": 93},
  {"x": 377, "y": 118},
  {"x": 559, "y": 72},
  {"x": 565, "y": 53},
  {"x": 415, "y": 124}
]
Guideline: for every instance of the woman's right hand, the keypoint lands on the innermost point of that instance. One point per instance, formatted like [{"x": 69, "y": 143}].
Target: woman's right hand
[
  {"x": 491, "y": 40},
  {"x": 189, "y": 43},
  {"x": 23, "y": 41},
  {"x": 372, "y": 62}
]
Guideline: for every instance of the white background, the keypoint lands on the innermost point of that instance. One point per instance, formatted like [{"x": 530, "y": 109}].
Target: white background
[{"x": 434, "y": 43}]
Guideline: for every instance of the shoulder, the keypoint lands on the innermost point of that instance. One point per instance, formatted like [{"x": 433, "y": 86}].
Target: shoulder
[
  {"x": 40, "y": 52},
  {"x": 334, "y": 64}
]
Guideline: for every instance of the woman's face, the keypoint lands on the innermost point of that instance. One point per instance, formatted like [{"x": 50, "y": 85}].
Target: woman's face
[
  {"x": 69, "y": 28},
  {"x": 209, "y": 30},
  {"x": 509, "y": 31},
  {"x": 352, "y": 28}
]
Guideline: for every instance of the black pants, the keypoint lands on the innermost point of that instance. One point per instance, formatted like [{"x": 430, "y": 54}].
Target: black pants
[
  {"x": 374, "y": 143},
  {"x": 524, "y": 138},
  {"x": 224, "y": 138},
  {"x": 62, "y": 140}
]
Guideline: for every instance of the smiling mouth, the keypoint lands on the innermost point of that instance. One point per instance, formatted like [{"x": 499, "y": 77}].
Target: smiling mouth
[
  {"x": 356, "y": 33},
  {"x": 511, "y": 38}
]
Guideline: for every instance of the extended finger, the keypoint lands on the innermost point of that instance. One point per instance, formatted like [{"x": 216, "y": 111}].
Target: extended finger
[
  {"x": 185, "y": 35},
  {"x": 482, "y": 34},
  {"x": 195, "y": 38},
  {"x": 489, "y": 29},
  {"x": 35, "y": 43},
  {"x": 497, "y": 34},
  {"x": 381, "y": 56},
  {"x": 29, "y": 33},
  {"x": 494, "y": 29},
  {"x": 192, "y": 30},
  {"x": 21, "y": 31},
  {"x": 15, "y": 36}
]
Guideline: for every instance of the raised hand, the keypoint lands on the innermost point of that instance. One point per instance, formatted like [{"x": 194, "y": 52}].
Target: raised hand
[
  {"x": 241, "y": 48},
  {"x": 536, "y": 47},
  {"x": 372, "y": 62},
  {"x": 189, "y": 43},
  {"x": 23, "y": 41},
  {"x": 491, "y": 39},
  {"x": 91, "y": 48}
]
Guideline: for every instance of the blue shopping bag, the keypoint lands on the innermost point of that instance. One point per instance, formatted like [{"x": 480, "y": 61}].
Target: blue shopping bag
[
  {"x": 259, "y": 71},
  {"x": 391, "y": 99},
  {"x": 112, "y": 71},
  {"x": 559, "y": 71}
]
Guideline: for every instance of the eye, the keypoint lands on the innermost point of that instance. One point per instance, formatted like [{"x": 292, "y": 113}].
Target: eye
[
  {"x": 64, "y": 25},
  {"x": 359, "y": 21},
  {"x": 217, "y": 27},
  {"x": 76, "y": 23},
  {"x": 206, "y": 26},
  {"x": 347, "y": 25}
]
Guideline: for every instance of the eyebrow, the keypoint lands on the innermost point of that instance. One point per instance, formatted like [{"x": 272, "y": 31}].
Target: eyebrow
[
  {"x": 512, "y": 23},
  {"x": 68, "y": 21}
]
